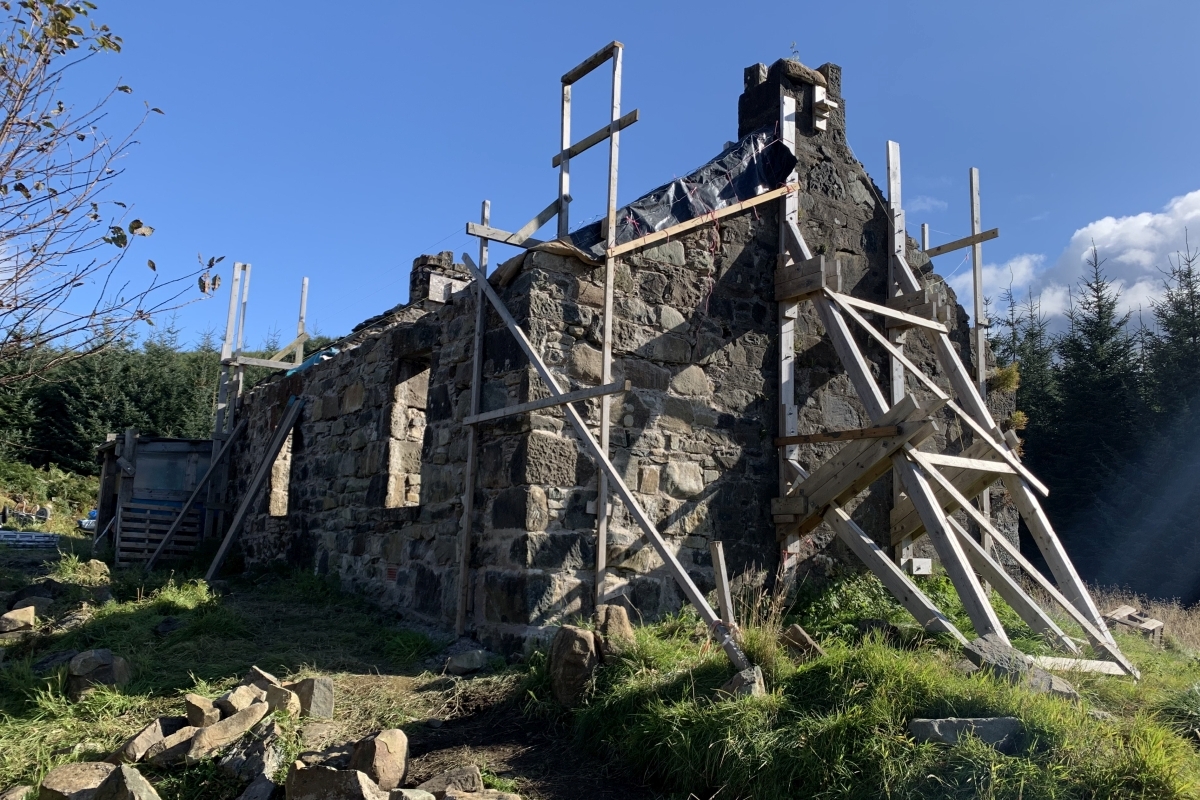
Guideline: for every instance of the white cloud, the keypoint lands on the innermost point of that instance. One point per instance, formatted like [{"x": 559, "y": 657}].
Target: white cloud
[
  {"x": 924, "y": 203},
  {"x": 1135, "y": 251},
  {"x": 1017, "y": 273}
]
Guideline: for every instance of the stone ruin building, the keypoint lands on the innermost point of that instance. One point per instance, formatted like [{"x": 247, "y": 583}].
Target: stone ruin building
[{"x": 370, "y": 486}]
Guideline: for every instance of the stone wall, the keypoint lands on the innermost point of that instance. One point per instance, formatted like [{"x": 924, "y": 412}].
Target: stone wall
[{"x": 374, "y": 483}]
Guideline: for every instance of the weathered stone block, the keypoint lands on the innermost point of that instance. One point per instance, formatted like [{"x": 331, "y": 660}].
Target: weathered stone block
[
  {"x": 545, "y": 459},
  {"x": 382, "y": 757},
  {"x": 352, "y": 398},
  {"x": 125, "y": 783},
  {"x": 74, "y": 781},
  {"x": 316, "y": 697},
  {"x": 585, "y": 363},
  {"x": 140, "y": 743},
  {"x": 201, "y": 712},
  {"x": 1003, "y": 733},
  {"x": 466, "y": 779},
  {"x": 684, "y": 479},
  {"x": 521, "y": 507},
  {"x": 692, "y": 382},
  {"x": 573, "y": 658}
]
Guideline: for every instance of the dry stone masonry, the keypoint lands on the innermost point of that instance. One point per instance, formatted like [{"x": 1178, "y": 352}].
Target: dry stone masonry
[{"x": 372, "y": 487}]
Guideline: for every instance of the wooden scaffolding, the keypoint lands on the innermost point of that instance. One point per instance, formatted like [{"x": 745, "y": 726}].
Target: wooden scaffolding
[{"x": 929, "y": 486}]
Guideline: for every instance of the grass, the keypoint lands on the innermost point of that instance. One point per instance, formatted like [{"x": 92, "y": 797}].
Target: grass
[
  {"x": 836, "y": 727},
  {"x": 291, "y": 624}
]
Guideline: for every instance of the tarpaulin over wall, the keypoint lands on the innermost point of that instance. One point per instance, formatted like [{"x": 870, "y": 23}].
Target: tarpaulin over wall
[{"x": 758, "y": 163}]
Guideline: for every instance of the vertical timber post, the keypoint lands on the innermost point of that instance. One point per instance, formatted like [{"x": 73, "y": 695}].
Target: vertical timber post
[
  {"x": 924, "y": 236},
  {"x": 896, "y": 228},
  {"x": 227, "y": 395},
  {"x": 298, "y": 357},
  {"x": 789, "y": 212},
  {"x": 564, "y": 166},
  {"x": 468, "y": 502},
  {"x": 614, "y": 147},
  {"x": 980, "y": 337}
]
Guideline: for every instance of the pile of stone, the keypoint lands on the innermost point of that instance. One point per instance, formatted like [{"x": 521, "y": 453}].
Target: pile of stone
[
  {"x": 576, "y": 652},
  {"x": 375, "y": 768}
]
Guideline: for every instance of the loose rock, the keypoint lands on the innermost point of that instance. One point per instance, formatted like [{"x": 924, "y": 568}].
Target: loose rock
[
  {"x": 201, "y": 712},
  {"x": 468, "y": 662},
  {"x": 1003, "y": 733},
  {"x": 573, "y": 658},
  {"x": 168, "y": 626},
  {"x": 172, "y": 748},
  {"x": 211, "y": 739},
  {"x": 316, "y": 697},
  {"x": 747, "y": 683},
  {"x": 261, "y": 788},
  {"x": 400, "y": 794},
  {"x": 323, "y": 783},
  {"x": 801, "y": 645},
  {"x": 464, "y": 779},
  {"x": 1043, "y": 682},
  {"x": 125, "y": 783},
  {"x": 240, "y": 699},
  {"x": 260, "y": 678},
  {"x": 16, "y": 793},
  {"x": 74, "y": 781},
  {"x": 486, "y": 794},
  {"x": 336, "y": 756},
  {"x": 255, "y": 754},
  {"x": 96, "y": 668},
  {"x": 40, "y": 605},
  {"x": 140, "y": 743},
  {"x": 281, "y": 698},
  {"x": 383, "y": 757},
  {"x": 46, "y": 588},
  {"x": 53, "y": 661},
  {"x": 616, "y": 632},
  {"x": 19, "y": 619},
  {"x": 1002, "y": 660}
]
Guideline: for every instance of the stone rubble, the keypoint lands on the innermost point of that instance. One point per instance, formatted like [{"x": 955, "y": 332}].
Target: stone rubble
[
  {"x": 747, "y": 683},
  {"x": 468, "y": 662},
  {"x": 316, "y": 697},
  {"x": 574, "y": 656},
  {"x": 802, "y": 646},
  {"x": 383, "y": 757},
  {"x": 1005, "y": 734},
  {"x": 96, "y": 668},
  {"x": 125, "y": 783},
  {"x": 201, "y": 712},
  {"x": 138, "y": 745},
  {"x": 77, "y": 781}
]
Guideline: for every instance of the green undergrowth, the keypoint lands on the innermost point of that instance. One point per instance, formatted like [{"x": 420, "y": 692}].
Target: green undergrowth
[
  {"x": 836, "y": 726},
  {"x": 289, "y": 623}
]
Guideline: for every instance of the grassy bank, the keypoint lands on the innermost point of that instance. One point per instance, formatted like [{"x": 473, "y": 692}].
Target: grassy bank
[{"x": 835, "y": 727}]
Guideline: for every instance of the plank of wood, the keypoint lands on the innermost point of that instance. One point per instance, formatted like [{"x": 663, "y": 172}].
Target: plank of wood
[
  {"x": 212, "y": 467},
  {"x": 721, "y": 633},
  {"x": 842, "y": 460},
  {"x": 984, "y": 434},
  {"x": 900, "y": 585},
  {"x": 290, "y": 416},
  {"x": 1057, "y": 664},
  {"x": 248, "y": 361},
  {"x": 1048, "y": 543},
  {"x": 950, "y": 551},
  {"x": 800, "y": 288},
  {"x": 504, "y": 237},
  {"x": 591, "y": 62},
  {"x": 966, "y": 241},
  {"x": 927, "y": 311},
  {"x": 944, "y": 460},
  {"x": 549, "y": 402},
  {"x": 1016, "y": 597},
  {"x": 606, "y": 346},
  {"x": 696, "y": 222},
  {"x": 906, "y": 522},
  {"x": 876, "y": 432},
  {"x": 875, "y": 308},
  {"x": 596, "y": 138},
  {"x": 985, "y": 524},
  {"x": 721, "y": 578},
  {"x": 789, "y": 272},
  {"x": 907, "y": 301}
]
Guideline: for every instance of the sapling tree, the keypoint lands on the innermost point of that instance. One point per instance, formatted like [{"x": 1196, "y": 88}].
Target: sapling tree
[{"x": 63, "y": 235}]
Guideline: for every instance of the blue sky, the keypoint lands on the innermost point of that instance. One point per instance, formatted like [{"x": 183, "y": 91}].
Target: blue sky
[{"x": 311, "y": 141}]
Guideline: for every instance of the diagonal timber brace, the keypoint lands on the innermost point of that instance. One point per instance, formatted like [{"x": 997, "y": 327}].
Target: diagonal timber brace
[{"x": 722, "y": 633}]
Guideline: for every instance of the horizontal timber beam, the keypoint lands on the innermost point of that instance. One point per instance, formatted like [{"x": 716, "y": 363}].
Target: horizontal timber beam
[
  {"x": 959, "y": 244},
  {"x": 549, "y": 402},
  {"x": 599, "y": 136},
  {"x": 504, "y": 237},
  {"x": 591, "y": 62},
  {"x": 885, "y": 311},
  {"x": 247, "y": 361},
  {"x": 839, "y": 436},
  {"x": 942, "y": 460},
  {"x": 696, "y": 222}
]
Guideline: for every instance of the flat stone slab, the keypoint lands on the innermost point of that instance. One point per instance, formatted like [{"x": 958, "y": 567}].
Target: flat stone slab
[{"x": 1006, "y": 734}]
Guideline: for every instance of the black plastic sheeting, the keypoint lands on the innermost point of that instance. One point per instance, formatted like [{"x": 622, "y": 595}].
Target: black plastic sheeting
[{"x": 757, "y": 163}]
